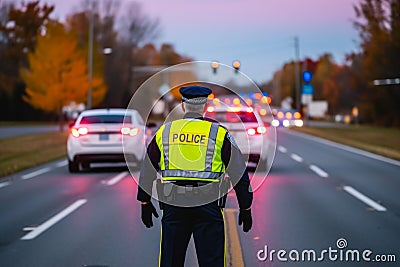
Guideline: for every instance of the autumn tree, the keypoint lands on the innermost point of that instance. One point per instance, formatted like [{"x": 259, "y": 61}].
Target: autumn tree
[
  {"x": 378, "y": 23},
  {"x": 57, "y": 73},
  {"x": 19, "y": 25},
  {"x": 19, "y": 31}
]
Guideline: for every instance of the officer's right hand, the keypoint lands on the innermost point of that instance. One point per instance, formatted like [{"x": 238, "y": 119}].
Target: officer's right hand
[
  {"x": 147, "y": 211},
  {"x": 246, "y": 219}
]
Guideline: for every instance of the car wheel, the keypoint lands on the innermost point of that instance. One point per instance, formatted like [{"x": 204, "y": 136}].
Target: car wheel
[
  {"x": 86, "y": 165},
  {"x": 73, "y": 166}
]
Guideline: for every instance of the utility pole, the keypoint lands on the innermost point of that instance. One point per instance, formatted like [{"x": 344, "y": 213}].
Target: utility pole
[
  {"x": 90, "y": 56},
  {"x": 297, "y": 71}
]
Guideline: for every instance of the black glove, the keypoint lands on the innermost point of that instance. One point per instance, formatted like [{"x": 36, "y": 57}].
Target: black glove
[
  {"x": 147, "y": 211},
  {"x": 245, "y": 218}
]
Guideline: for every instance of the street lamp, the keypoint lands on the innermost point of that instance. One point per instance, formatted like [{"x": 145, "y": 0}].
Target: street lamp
[
  {"x": 214, "y": 66},
  {"x": 236, "y": 65},
  {"x": 90, "y": 56}
]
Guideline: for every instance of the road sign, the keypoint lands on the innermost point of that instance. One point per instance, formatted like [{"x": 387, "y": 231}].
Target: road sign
[
  {"x": 307, "y": 89},
  {"x": 306, "y": 99},
  {"x": 307, "y": 76}
]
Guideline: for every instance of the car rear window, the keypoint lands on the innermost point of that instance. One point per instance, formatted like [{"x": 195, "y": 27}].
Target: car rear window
[
  {"x": 105, "y": 119},
  {"x": 233, "y": 116}
]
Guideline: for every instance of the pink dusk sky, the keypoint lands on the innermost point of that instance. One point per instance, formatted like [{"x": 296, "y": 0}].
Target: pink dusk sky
[{"x": 259, "y": 33}]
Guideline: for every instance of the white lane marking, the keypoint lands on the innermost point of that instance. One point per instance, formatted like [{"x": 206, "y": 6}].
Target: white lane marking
[
  {"x": 282, "y": 149},
  {"x": 117, "y": 178},
  {"x": 318, "y": 171},
  {"x": 296, "y": 157},
  {"x": 364, "y": 198},
  {"x": 62, "y": 163},
  {"x": 27, "y": 229},
  {"x": 35, "y": 173},
  {"x": 53, "y": 220},
  {"x": 4, "y": 184},
  {"x": 345, "y": 147}
]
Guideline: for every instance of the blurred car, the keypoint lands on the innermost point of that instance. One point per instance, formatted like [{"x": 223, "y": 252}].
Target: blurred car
[
  {"x": 286, "y": 118},
  {"x": 247, "y": 129},
  {"x": 98, "y": 135}
]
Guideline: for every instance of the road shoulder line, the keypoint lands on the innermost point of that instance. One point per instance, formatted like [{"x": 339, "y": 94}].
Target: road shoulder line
[{"x": 345, "y": 147}]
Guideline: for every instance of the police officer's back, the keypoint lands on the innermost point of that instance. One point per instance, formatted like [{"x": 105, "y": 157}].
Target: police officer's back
[{"x": 192, "y": 156}]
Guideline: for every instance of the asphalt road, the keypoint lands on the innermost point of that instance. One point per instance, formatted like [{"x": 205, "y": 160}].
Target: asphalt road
[
  {"x": 316, "y": 193},
  {"x": 11, "y": 131}
]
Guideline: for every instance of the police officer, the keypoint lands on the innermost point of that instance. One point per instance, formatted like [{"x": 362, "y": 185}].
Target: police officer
[{"x": 190, "y": 153}]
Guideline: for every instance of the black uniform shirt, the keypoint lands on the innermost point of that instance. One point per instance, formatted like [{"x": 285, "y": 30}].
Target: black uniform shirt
[{"x": 231, "y": 157}]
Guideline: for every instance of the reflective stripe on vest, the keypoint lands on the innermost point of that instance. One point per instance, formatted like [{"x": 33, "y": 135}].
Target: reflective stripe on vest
[{"x": 191, "y": 150}]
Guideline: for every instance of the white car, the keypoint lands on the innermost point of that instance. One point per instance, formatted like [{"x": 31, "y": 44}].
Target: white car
[
  {"x": 103, "y": 135},
  {"x": 247, "y": 129}
]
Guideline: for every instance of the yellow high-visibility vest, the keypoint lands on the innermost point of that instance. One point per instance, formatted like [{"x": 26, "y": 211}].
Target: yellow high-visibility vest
[{"x": 191, "y": 150}]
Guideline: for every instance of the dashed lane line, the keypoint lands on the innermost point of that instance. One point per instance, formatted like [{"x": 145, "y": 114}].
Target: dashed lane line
[
  {"x": 35, "y": 173},
  {"x": 296, "y": 157},
  {"x": 319, "y": 171},
  {"x": 364, "y": 198},
  {"x": 4, "y": 184},
  {"x": 53, "y": 220},
  {"x": 117, "y": 178},
  {"x": 62, "y": 163},
  {"x": 282, "y": 149}
]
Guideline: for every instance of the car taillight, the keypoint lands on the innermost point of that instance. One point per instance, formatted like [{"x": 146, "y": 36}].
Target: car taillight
[
  {"x": 261, "y": 129},
  {"x": 258, "y": 130},
  {"x": 129, "y": 131},
  {"x": 251, "y": 131},
  {"x": 76, "y": 132}
]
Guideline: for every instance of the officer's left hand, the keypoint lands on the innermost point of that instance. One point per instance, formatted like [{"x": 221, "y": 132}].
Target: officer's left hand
[
  {"x": 148, "y": 210},
  {"x": 246, "y": 219}
]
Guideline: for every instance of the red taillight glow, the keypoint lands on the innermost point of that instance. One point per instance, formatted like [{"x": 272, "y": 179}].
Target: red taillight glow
[
  {"x": 76, "y": 132},
  {"x": 129, "y": 131}
]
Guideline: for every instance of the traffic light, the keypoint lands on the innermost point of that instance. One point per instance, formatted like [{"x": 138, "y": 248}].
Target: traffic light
[
  {"x": 236, "y": 65},
  {"x": 214, "y": 66}
]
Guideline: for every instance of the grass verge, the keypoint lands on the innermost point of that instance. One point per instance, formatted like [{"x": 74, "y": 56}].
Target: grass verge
[
  {"x": 23, "y": 152},
  {"x": 382, "y": 141}
]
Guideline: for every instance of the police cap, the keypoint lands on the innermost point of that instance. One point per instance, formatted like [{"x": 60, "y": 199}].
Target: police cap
[{"x": 196, "y": 95}]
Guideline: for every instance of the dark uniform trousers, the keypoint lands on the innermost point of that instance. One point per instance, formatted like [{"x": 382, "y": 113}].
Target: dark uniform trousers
[{"x": 205, "y": 222}]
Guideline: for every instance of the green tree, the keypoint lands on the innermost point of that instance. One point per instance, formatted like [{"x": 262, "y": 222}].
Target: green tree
[{"x": 57, "y": 73}]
